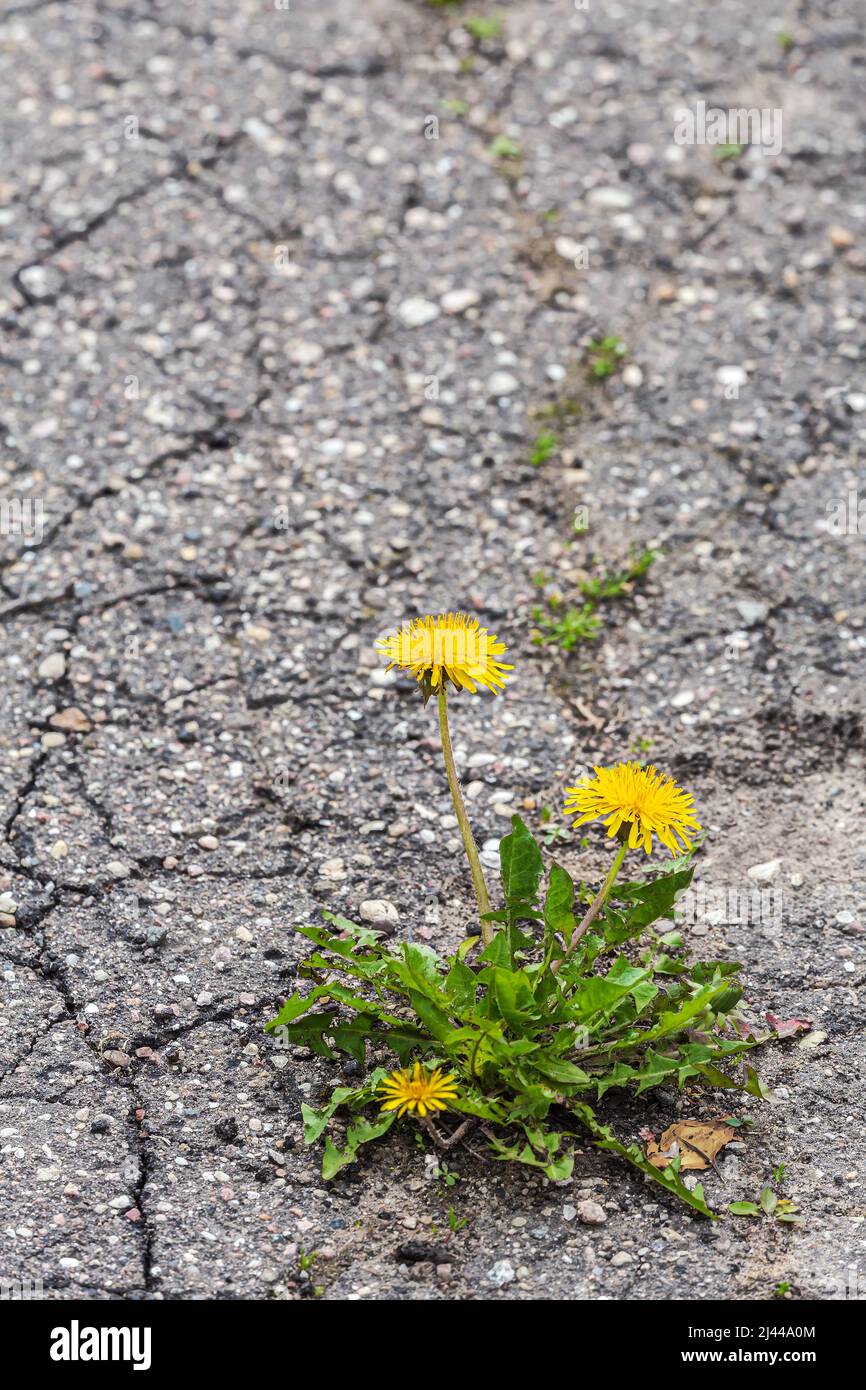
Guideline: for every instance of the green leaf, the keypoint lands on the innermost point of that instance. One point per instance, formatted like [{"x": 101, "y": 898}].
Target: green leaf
[
  {"x": 497, "y": 953},
  {"x": 744, "y": 1209},
  {"x": 461, "y": 986},
  {"x": 539, "y": 1151},
  {"x": 360, "y": 1133},
  {"x": 296, "y": 1006},
  {"x": 755, "y": 1086},
  {"x": 558, "y": 905},
  {"x": 768, "y": 1200},
  {"x": 600, "y": 994},
  {"x": 565, "y": 1073},
  {"x": 351, "y": 1037},
  {"x": 655, "y": 1070},
  {"x": 347, "y": 950},
  {"x": 514, "y": 999},
  {"x": 621, "y": 1075},
  {"x": 433, "y": 1018},
  {"x": 364, "y": 936},
  {"x": 310, "y": 1032},
  {"x": 650, "y": 901},
  {"x": 316, "y": 1120},
  {"x": 521, "y": 863}
]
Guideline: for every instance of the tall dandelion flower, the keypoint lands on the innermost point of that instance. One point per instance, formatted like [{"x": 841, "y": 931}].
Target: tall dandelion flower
[
  {"x": 416, "y": 1089},
  {"x": 648, "y": 801},
  {"x": 451, "y": 648},
  {"x": 637, "y": 802}
]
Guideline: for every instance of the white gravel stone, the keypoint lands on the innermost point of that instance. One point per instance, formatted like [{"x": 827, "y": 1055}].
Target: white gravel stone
[
  {"x": 765, "y": 873},
  {"x": 501, "y": 1274},
  {"x": 379, "y": 910},
  {"x": 458, "y": 301},
  {"x": 306, "y": 354},
  {"x": 52, "y": 667},
  {"x": 415, "y": 312},
  {"x": 751, "y": 611},
  {"x": 503, "y": 384},
  {"x": 591, "y": 1213},
  {"x": 610, "y": 199}
]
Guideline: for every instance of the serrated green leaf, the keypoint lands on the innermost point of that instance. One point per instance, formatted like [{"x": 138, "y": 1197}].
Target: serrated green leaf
[
  {"x": 351, "y": 1096},
  {"x": 362, "y": 1132},
  {"x": 521, "y": 864},
  {"x": 558, "y": 905},
  {"x": 461, "y": 986},
  {"x": 497, "y": 952},
  {"x": 315, "y": 1121},
  {"x": 514, "y": 999},
  {"x": 296, "y": 1006},
  {"x": 362, "y": 935},
  {"x": 433, "y": 1018},
  {"x": 651, "y": 901}
]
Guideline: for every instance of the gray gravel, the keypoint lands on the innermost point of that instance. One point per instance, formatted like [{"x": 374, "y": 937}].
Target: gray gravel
[{"x": 274, "y": 364}]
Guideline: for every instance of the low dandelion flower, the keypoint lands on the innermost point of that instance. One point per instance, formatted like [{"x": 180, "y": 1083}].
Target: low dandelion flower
[
  {"x": 649, "y": 801},
  {"x": 416, "y": 1089},
  {"x": 450, "y": 646}
]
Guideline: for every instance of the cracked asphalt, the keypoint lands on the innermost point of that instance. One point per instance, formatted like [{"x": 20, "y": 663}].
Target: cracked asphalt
[{"x": 287, "y": 297}]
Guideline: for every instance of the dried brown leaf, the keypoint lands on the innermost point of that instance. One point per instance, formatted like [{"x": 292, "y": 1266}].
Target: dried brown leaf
[{"x": 696, "y": 1142}]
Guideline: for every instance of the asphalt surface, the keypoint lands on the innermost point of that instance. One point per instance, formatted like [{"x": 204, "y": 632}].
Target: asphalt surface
[{"x": 287, "y": 298}]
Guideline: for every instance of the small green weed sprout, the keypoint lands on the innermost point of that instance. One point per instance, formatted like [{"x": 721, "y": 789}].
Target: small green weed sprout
[
  {"x": 567, "y": 627},
  {"x": 545, "y": 445},
  {"x": 484, "y": 27},
  {"x": 605, "y": 355},
  {"x": 444, "y": 1174},
  {"x": 770, "y": 1203},
  {"x": 503, "y": 148}
]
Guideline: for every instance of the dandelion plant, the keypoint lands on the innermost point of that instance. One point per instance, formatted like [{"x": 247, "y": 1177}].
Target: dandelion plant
[{"x": 570, "y": 994}]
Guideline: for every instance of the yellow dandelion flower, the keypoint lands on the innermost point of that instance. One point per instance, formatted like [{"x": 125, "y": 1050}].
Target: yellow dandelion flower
[
  {"x": 451, "y": 646},
  {"x": 416, "y": 1089},
  {"x": 648, "y": 800}
]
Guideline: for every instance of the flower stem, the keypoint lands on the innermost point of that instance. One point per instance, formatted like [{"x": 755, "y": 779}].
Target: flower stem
[
  {"x": 596, "y": 905},
  {"x": 469, "y": 844}
]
